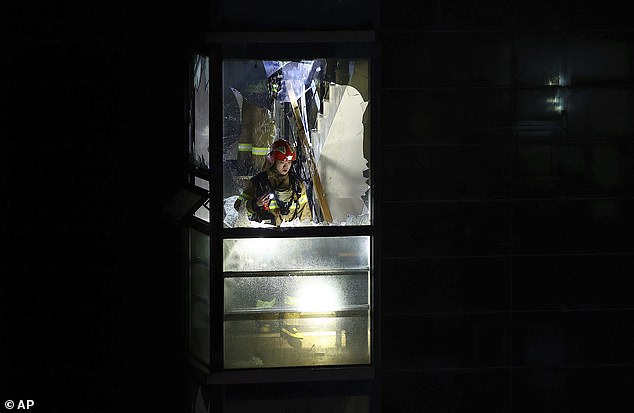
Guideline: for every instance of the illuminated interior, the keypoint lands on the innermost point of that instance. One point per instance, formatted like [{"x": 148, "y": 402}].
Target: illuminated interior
[
  {"x": 312, "y": 312},
  {"x": 287, "y": 301},
  {"x": 320, "y": 106}
]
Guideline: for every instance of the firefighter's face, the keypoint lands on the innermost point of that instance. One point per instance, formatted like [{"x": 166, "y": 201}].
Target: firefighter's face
[{"x": 282, "y": 167}]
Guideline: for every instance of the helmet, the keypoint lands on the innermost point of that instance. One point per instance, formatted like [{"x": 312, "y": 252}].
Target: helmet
[{"x": 280, "y": 150}]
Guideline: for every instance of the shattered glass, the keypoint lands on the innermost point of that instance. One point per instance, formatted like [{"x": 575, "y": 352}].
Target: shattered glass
[
  {"x": 321, "y": 107},
  {"x": 199, "y": 113}
]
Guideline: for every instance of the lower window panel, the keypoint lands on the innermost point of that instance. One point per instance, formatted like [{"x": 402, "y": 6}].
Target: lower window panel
[
  {"x": 296, "y": 302},
  {"x": 290, "y": 339}
]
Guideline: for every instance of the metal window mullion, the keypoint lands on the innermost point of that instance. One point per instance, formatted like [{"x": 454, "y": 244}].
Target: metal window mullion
[{"x": 215, "y": 208}]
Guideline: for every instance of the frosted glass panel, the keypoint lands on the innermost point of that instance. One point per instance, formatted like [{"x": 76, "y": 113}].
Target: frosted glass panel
[
  {"x": 199, "y": 296},
  {"x": 203, "y": 212},
  {"x": 264, "y": 254},
  {"x": 300, "y": 340},
  {"x": 201, "y": 183},
  {"x": 303, "y": 292},
  {"x": 296, "y": 302},
  {"x": 302, "y": 319}
]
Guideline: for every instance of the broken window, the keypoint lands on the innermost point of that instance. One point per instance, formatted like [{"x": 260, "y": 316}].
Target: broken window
[
  {"x": 320, "y": 107},
  {"x": 282, "y": 142},
  {"x": 199, "y": 114}
]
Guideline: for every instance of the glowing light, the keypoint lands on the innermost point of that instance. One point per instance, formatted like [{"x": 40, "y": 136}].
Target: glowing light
[
  {"x": 556, "y": 80},
  {"x": 317, "y": 295},
  {"x": 555, "y": 104}
]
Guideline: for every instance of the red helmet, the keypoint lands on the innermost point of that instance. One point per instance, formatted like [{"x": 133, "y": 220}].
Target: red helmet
[{"x": 281, "y": 150}]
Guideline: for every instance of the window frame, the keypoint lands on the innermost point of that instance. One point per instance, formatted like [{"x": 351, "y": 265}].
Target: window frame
[{"x": 217, "y": 47}]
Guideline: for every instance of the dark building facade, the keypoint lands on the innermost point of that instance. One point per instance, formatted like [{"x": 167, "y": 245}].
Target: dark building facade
[
  {"x": 515, "y": 270},
  {"x": 504, "y": 133}
]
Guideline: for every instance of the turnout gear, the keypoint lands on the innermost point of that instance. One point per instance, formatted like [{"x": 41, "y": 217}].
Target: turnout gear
[
  {"x": 288, "y": 202},
  {"x": 286, "y": 198},
  {"x": 258, "y": 131}
]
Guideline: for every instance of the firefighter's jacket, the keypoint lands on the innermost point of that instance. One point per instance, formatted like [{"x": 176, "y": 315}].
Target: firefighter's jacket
[{"x": 289, "y": 198}]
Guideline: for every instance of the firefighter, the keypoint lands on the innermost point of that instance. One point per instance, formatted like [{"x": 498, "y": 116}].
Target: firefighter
[
  {"x": 276, "y": 194},
  {"x": 258, "y": 131}
]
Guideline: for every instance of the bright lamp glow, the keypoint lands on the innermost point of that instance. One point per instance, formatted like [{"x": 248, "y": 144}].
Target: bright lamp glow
[{"x": 318, "y": 296}]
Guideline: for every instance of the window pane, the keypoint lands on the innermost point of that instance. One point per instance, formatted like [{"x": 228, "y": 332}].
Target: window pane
[
  {"x": 297, "y": 320},
  {"x": 296, "y": 301},
  {"x": 199, "y": 113},
  {"x": 201, "y": 183},
  {"x": 199, "y": 296},
  {"x": 282, "y": 254},
  {"x": 320, "y": 108},
  {"x": 308, "y": 291},
  {"x": 203, "y": 211}
]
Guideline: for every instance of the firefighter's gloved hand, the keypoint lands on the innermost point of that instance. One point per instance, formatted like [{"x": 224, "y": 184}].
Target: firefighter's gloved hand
[{"x": 263, "y": 201}]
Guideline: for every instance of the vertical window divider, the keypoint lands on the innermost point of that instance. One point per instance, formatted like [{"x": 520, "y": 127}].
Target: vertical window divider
[{"x": 216, "y": 206}]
